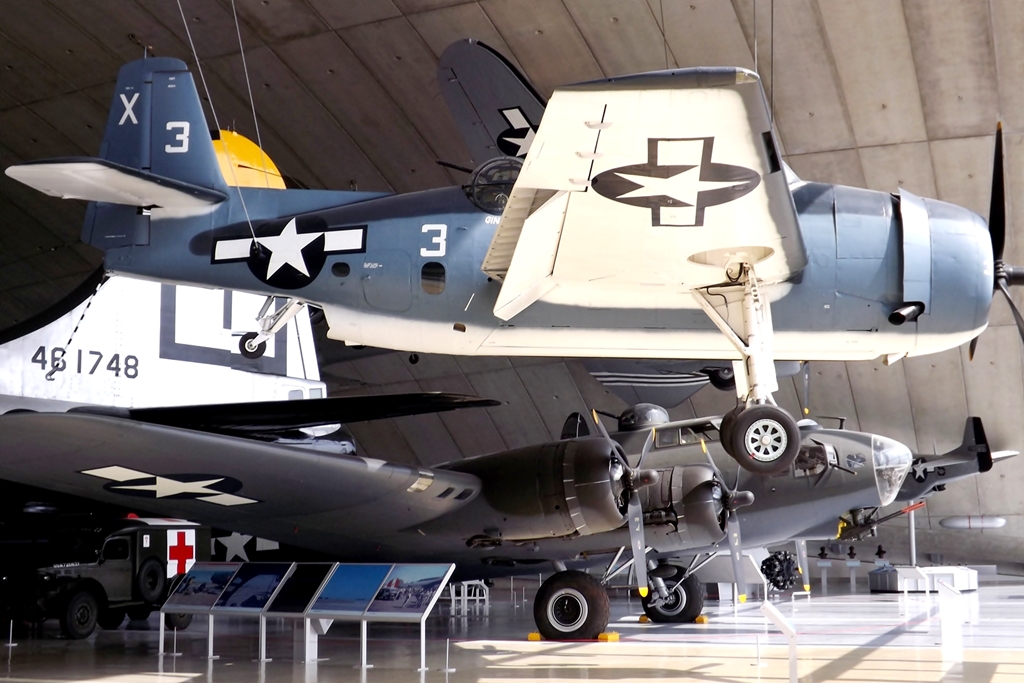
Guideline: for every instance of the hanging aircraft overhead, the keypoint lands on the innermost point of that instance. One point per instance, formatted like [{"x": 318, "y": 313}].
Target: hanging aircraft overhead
[{"x": 651, "y": 218}]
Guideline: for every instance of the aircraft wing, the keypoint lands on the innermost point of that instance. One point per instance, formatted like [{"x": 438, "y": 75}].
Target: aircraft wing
[
  {"x": 656, "y": 183},
  {"x": 270, "y": 417},
  {"x": 288, "y": 494}
]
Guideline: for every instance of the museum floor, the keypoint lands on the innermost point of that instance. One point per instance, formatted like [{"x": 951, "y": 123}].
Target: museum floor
[{"x": 858, "y": 637}]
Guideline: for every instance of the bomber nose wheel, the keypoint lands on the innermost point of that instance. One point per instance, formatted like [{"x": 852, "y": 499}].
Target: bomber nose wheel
[
  {"x": 762, "y": 438},
  {"x": 684, "y": 604},
  {"x": 571, "y": 605}
]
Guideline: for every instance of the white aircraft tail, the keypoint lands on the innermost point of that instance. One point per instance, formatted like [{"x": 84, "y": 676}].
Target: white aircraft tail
[{"x": 137, "y": 343}]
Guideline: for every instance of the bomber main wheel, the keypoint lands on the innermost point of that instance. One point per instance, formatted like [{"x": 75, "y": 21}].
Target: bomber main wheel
[
  {"x": 255, "y": 352},
  {"x": 684, "y": 604},
  {"x": 80, "y": 614},
  {"x": 571, "y": 605},
  {"x": 763, "y": 439}
]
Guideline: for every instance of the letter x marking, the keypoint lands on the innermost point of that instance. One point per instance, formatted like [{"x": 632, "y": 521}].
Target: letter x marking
[{"x": 128, "y": 113}]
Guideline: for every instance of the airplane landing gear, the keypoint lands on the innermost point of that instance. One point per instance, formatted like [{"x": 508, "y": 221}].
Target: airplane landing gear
[
  {"x": 684, "y": 603},
  {"x": 253, "y": 345},
  {"x": 571, "y": 605},
  {"x": 762, "y": 437}
]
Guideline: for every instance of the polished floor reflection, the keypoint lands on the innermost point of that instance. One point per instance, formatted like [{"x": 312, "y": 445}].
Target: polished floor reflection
[{"x": 860, "y": 637}]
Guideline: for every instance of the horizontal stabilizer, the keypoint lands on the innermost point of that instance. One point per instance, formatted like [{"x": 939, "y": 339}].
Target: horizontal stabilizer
[
  {"x": 268, "y": 417},
  {"x": 98, "y": 180}
]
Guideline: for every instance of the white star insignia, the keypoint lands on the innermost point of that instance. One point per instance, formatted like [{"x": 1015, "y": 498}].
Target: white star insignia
[
  {"x": 683, "y": 186},
  {"x": 164, "y": 487},
  {"x": 286, "y": 248},
  {"x": 234, "y": 546}
]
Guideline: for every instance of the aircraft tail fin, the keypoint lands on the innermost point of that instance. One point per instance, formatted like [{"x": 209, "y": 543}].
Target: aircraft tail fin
[
  {"x": 976, "y": 442},
  {"x": 495, "y": 107}
]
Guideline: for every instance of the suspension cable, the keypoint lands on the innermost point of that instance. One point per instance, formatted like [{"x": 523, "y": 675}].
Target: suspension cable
[{"x": 252, "y": 102}]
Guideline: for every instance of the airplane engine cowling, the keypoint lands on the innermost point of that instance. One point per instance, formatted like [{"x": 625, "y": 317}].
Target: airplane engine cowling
[
  {"x": 549, "y": 491},
  {"x": 692, "y": 493}
]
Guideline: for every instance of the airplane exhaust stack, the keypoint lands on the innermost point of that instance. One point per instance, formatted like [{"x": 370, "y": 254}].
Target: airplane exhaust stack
[{"x": 907, "y": 313}]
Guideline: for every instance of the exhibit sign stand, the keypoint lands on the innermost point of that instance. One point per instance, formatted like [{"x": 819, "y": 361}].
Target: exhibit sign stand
[
  {"x": 824, "y": 566},
  {"x": 853, "y": 565},
  {"x": 317, "y": 593},
  {"x": 784, "y": 625}
]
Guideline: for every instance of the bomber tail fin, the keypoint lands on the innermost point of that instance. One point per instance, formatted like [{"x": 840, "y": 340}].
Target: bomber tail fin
[{"x": 495, "y": 107}]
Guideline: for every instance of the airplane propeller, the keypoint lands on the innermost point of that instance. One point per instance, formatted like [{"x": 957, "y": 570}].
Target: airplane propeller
[
  {"x": 1004, "y": 276},
  {"x": 733, "y": 500},
  {"x": 633, "y": 479}
]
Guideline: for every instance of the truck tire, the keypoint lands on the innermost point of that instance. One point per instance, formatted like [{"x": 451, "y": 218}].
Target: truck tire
[
  {"x": 110, "y": 619},
  {"x": 177, "y": 621},
  {"x": 78, "y": 620},
  {"x": 151, "y": 581},
  {"x": 139, "y": 612}
]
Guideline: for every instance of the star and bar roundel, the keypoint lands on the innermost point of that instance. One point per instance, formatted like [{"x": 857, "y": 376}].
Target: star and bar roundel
[
  {"x": 209, "y": 488},
  {"x": 289, "y": 253},
  {"x": 677, "y": 182}
]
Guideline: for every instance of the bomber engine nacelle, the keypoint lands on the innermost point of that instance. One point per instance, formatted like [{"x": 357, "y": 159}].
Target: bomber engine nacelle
[
  {"x": 547, "y": 491},
  {"x": 690, "y": 497}
]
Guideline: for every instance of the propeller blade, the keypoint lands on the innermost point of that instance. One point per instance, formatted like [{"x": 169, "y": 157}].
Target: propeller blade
[
  {"x": 736, "y": 554},
  {"x": 805, "y": 376},
  {"x": 997, "y": 208},
  {"x": 646, "y": 448},
  {"x": 972, "y": 348},
  {"x": 636, "y": 540},
  {"x": 1013, "y": 307}
]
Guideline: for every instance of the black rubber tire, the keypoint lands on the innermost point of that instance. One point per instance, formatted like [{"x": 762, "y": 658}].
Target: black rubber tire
[
  {"x": 246, "y": 353},
  {"x": 151, "y": 581},
  {"x": 685, "y": 603},
  {"x": 139, "y": 612},
  {"x": 778, "y": 455},
  {"x": 571, "y": 605},
  {"x": 110, "y": 619},
  {"x": 177, "y": 621},
  {"x": 728, "y": 420},
  {"x": 78, "y": 620},
  {"x": 723, "y": 379}
]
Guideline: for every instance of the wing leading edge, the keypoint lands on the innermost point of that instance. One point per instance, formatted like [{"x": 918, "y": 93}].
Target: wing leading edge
[{"x": 664, "y": 179}]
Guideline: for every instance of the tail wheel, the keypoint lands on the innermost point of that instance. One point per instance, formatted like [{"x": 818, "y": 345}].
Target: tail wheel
[
  {"x": 571, "y": 605},
  {"x": 177, "y": 621},
  {"x": 139, "y": 613},
  {"x": 764, "y": 439},
  {"x": 251, "y": 354},
  {"x": 684, "y": 604},
  {"x": 110, "y": 619},
  {"x": 151, "y": 581},
  {"x": 80, "y": 614}
]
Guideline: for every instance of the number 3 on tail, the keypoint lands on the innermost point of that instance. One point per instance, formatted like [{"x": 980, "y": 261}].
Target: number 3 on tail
[{"x": 181, "y": 137}]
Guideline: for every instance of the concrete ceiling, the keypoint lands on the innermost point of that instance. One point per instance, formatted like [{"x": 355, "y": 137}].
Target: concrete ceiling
[{"x": 876, "y": 93}]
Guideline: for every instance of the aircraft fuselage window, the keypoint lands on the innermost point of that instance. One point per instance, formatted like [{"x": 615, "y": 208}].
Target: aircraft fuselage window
[
  {"x": 666, "y": 438},
  {"x": 340, "y": 269},
  {"x": 432, "y": 277},
  {"x": 295, "y": 395},
  {"x": 116, "y": 549}
]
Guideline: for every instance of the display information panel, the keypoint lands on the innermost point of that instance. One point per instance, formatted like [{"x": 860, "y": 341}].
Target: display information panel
[
  {"x": 409, "y": 592},
  {"x": 252, "y": 587},
  {"x": 349, "y": 590},
  {"x": 299, "y": 589},
  {"x": 202, "y": 585}
]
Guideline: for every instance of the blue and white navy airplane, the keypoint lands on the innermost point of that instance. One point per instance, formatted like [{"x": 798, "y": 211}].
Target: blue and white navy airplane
[{"x": 652, "y": 217}]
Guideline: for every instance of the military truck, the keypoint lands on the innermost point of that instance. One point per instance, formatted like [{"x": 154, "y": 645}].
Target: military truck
[{"x": 98, "y": 572}]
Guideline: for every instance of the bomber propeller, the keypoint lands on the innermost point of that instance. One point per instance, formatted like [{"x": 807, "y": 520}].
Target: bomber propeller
[
  {"x": 732, "y": 500},
  {"x": 633, "y": 479},
  {"x": 1004, "y": 276}
]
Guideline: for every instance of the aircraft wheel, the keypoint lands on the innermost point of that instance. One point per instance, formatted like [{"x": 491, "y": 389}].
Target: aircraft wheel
[
  {"x": 764, "y": 439},
  {"x": 79, "y": 617},
  {"x": 725, "y": 427},
  {"x": 110, "y": 619},
  {"x": 571, "y": 605},
  {"x": 723, "y": 379},
  {"x": 684, "y": 604},
  {"x": 243, "y": 347}
]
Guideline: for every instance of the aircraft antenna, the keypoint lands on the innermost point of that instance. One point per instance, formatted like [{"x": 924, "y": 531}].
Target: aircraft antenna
[
  {"x": 771, "y": 108},
  {"x": 252, "y": 102},
  {"x": 213, "y": 110}
]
